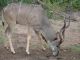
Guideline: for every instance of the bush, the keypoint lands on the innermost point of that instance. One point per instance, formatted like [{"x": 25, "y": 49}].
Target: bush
[{"x": 57, "y": 6}]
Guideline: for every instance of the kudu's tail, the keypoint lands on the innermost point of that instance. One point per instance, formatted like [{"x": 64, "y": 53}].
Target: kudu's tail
[{"x": 2, "y": 19}]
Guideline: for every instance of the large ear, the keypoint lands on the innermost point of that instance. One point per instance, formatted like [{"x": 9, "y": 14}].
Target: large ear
[{"x": 41, "y": 34}]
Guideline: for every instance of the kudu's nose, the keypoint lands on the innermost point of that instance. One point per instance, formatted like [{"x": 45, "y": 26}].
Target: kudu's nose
[{"x": 55, "y": 51}]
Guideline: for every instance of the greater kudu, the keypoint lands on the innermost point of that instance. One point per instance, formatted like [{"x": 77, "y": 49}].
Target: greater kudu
[{"x": 35, "y": 18}]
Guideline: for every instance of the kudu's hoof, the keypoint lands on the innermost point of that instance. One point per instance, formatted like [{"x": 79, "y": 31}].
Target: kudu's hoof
[
  {"x": 13, "y": 52},
  {"x": 43, "y": 49},
  {"x": 6, "y": 47},
  {"x": 27, "y": 52}
]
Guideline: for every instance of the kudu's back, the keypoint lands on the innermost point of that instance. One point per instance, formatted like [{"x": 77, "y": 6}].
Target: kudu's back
[{"x": 24, "y": 14}]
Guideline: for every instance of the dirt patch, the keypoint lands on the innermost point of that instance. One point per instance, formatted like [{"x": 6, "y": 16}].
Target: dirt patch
[
  {"x": 72, "y": 37},
  {"x": 37, "y": 54}
]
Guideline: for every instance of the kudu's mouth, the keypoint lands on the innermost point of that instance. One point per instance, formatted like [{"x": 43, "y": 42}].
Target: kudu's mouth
[{"x": 54, "y": 46}]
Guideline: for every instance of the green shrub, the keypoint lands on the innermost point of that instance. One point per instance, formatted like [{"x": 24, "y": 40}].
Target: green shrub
[
  {"x": 75, "y": 48},
  {"x": 57, "y": 6}
]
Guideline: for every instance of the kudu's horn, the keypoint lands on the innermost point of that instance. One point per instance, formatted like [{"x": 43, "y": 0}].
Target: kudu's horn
[
  {"x": 61, "y": 34},
  {"x": 68, "y": 10}
]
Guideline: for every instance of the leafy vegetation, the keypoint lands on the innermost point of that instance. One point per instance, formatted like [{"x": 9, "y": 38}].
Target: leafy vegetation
[
  {"x": 50, "y": 3},
  {"x": 52, "y": 6},
  {"x": 75, "y": 48}
]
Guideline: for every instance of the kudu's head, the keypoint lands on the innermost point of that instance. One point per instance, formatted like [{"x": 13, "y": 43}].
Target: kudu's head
[
  {"x": 58, "y": 39},
  {"x": 59, "y": 36}
]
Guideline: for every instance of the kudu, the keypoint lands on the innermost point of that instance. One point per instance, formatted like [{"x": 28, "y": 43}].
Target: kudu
[{"x": 35, "y": 18}]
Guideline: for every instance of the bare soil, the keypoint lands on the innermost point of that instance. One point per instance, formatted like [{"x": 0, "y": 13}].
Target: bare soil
[
  {"x": 38, "y": 54},
  {"x": 72, "y": 37}
]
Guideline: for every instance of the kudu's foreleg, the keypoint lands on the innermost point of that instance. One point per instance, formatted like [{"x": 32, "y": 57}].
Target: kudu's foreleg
[{"x": 28, "y": 44}]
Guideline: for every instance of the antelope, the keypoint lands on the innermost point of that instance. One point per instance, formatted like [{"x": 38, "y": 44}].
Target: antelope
[{"x": 35, "y": 18}]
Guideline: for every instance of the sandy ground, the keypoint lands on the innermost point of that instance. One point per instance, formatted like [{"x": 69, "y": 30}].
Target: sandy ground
[
  {"x": 38, "y": 54},
  {"x": 72, "y": 37}
]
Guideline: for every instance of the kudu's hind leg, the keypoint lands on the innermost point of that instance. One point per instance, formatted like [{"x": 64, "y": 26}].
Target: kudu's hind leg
[
  {"x": 11, "y": 46},
  {"x": 6, "y": 44},
  {"x": 9, "y": 35}
]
